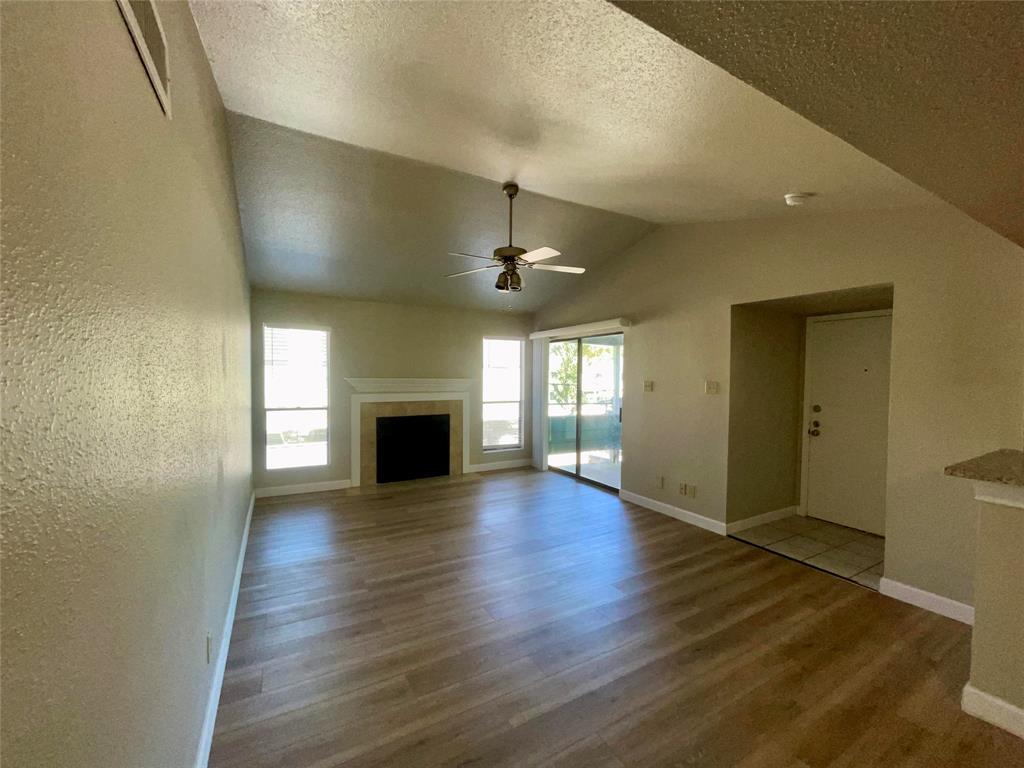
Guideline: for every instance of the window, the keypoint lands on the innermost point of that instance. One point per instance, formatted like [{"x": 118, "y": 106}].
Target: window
[
  {"x": 295, "y": 397},
  {"x": 503, "y": 394}
]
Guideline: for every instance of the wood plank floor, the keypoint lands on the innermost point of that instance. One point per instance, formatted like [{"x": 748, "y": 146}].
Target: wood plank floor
[{"x": 522, "y": 618}]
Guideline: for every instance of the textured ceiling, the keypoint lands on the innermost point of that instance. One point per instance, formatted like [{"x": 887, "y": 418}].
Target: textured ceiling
[
  {"x": 934, "y": 90},
  {"x": 575, "y": 100},
  {"x": 322, "y": 216}
]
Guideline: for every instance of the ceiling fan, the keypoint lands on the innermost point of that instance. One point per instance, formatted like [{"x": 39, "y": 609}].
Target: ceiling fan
[{"x": 510, "y": 258}]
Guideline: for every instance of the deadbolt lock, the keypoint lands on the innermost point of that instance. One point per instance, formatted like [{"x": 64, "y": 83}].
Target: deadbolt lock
[
  {"x": 816, "y": 408},
  {"x": 813, "y": 432}
]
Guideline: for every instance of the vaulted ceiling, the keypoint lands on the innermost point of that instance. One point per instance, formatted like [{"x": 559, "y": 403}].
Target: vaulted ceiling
[
  {"x": 322, "y": 216},
  {"x": 577, "y": 101},
  {"x": 935, "y": 90}
]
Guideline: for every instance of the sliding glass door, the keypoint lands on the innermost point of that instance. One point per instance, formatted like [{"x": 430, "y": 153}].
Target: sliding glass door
[
  {"x": 563, "y": 405},
  {"x": 585, "y": 407},
  {"x": 600, "y": 441}
]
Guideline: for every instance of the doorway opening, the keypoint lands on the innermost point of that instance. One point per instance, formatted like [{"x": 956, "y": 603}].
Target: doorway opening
[
  {"x": 808, "y": 428},
  {"x": 584, "y": 408}
]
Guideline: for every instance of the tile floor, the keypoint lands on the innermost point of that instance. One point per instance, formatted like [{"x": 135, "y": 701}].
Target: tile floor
[{"x": 846, "y": 552}]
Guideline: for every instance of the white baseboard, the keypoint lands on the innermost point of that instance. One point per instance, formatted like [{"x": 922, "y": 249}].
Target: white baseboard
[
  {"x": 707, "y": 523},
  {"x": 994, "y": 710},
  {"x": 206, "y": 737},
  {"x": 288, "y": 490},
  {"x": 930, "y": 601},
  {"x": 490, "y": 466},
  {"x": 765, "y": 517}
]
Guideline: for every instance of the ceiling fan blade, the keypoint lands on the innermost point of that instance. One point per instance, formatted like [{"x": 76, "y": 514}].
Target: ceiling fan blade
[
  {"x": 555, "y": 268},
  {"x": 471, "y": 271},
  {"x": 470, "y": 255},
  {"x": 539, "y": 254}
]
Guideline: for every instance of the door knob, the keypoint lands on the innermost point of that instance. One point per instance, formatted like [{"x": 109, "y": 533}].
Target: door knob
[{"x": 813, "y": 432}]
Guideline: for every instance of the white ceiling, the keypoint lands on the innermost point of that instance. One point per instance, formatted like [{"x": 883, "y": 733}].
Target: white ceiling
[{"x": 575, "y": 100}]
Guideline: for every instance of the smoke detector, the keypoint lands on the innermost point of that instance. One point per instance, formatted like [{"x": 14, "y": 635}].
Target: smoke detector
[{"x": 798, "y": 198}]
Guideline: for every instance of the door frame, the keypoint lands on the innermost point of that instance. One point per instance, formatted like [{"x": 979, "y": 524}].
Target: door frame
[
  {"x": 805, "y": 438},
  {"x": 545, "y": 423}
]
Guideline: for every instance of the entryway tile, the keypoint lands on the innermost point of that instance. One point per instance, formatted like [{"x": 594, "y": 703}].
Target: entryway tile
[
  {"x": 852, "y": 554},
  {"x": 835, "y": 535},
  {"x": 798, "y": 524},
  {"x": 873, "y": 547},
  {"x": 799, "y": 547},
  {"x": 828, "y": 561},
  {"x": 764, "y": 534}
]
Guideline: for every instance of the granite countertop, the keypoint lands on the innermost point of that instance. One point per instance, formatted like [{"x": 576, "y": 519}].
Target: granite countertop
[{"x": 1005, "y": 466}]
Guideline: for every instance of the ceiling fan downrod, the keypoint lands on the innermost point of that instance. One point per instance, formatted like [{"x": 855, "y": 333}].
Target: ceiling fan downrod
[
  {"x": 510, "y": 258},
  {"x": 511, "y": 189}
]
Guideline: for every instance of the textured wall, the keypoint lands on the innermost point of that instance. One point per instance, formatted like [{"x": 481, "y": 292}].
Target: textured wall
[
  {"x": 376, "y": 340},
  {"x": 935, "y": 90},
  {"x": 957, "y": 382},
  {"x": 766, "y": 357},
  {"x": 126, "y": 428},
  {"x": 997, "y": 645}
]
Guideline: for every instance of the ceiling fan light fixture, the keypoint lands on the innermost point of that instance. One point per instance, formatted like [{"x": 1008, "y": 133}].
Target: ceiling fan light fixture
[{"x": 509, "y": 258}]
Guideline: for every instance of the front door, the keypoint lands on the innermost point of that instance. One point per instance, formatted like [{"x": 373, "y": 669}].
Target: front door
[{"x": 846, "y": 415}]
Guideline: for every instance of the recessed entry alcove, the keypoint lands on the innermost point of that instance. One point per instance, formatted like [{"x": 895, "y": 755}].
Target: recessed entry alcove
[{"x": 808, "y": 427}]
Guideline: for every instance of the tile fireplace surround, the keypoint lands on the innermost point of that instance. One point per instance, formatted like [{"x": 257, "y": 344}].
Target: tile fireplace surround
[
  {"x": 386, "y": 398},
  {"x": 370, "y": 412}
]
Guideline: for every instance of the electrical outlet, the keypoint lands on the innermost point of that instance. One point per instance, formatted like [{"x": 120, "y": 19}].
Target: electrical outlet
[
  {"x": 710, "y": 387},
  {"x": 661, "y": 481},
  {"x": 682, "y": 489},
  {"x": 691, "y": 491}
]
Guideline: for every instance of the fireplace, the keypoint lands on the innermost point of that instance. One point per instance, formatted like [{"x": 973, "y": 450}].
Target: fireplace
[
  {"x": 368, "y": 409},
  {"x": 411, "y": 447}
]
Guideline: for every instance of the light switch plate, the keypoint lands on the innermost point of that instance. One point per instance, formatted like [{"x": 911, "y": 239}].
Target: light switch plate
[{"x": 648, "y": 385}]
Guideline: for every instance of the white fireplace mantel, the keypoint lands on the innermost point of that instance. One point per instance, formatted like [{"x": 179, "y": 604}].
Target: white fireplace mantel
[{"x": 379, "y": 385}]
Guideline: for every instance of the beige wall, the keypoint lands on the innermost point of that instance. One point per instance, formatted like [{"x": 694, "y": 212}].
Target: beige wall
[
  {"x": 958, "y": 352},
  {"x": 126, "y": 444},
  {"x": 379, "y": 340},
  {"x": 766, "y": 354},
  {"x": 997, "y": 644}
]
